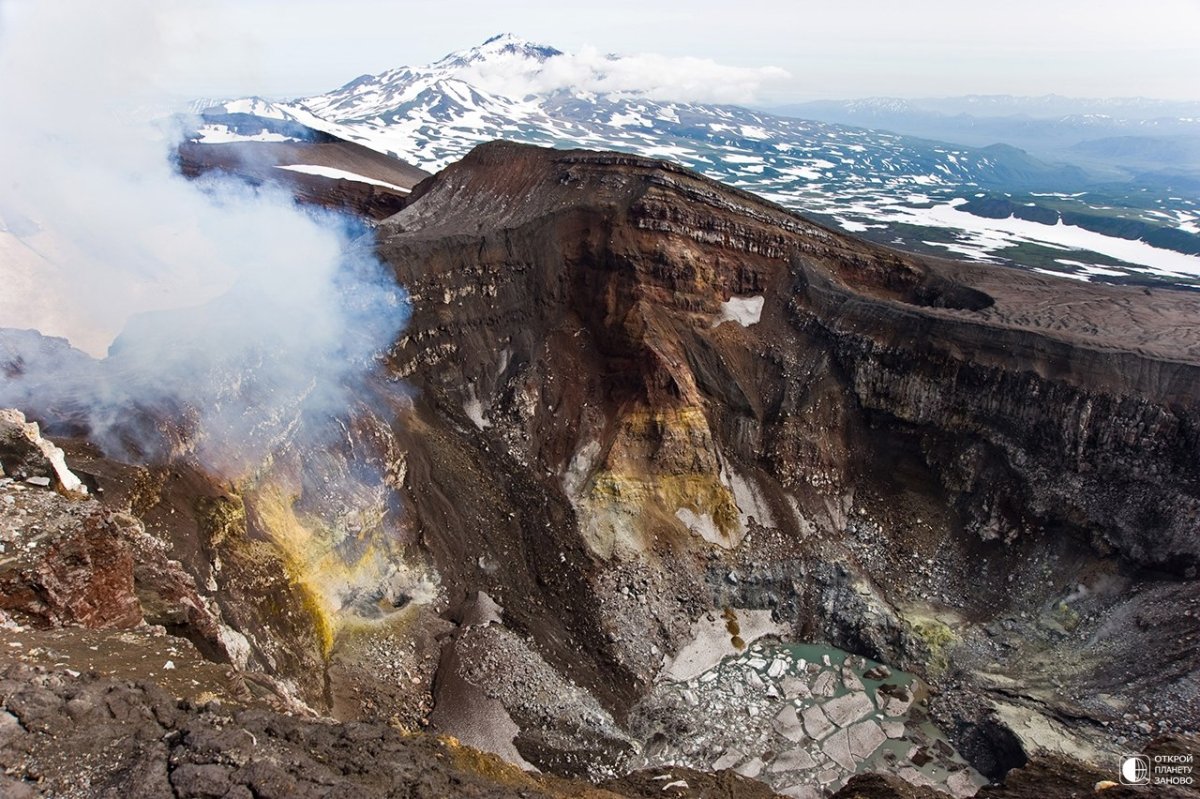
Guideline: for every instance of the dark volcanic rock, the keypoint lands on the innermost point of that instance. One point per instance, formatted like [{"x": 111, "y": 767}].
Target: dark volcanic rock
[
  {"x": 78, "y": 575},
  {"x": 74, "y": 563},
  {"x": 1056, "y": 776},
  {"x": 82, "y": 737},
  {"x": 686, "y": 783},
  {"x": 882, "y": 786}
]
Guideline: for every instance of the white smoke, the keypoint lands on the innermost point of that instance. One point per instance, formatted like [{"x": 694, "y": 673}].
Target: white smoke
[
  {"x": 659, "y": 77},
  {"x": 244, "y": 308}
]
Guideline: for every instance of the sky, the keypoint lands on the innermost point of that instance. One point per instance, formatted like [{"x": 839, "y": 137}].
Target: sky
[
  {"x": 857, "y": 48},
  {"x": 916, "y": 48}
]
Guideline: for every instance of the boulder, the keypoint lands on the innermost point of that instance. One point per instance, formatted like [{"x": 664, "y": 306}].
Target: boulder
[
  {"x": 879, "y": 672},
  {"x": 838, "y": 750},
  {"x": 794, "y": 760},
  {"x": 81, "y": 576},
  {"x": 24, "y": 454},
  {"x": 865, "y": 738},
  {"x": 825, "y": 684}
]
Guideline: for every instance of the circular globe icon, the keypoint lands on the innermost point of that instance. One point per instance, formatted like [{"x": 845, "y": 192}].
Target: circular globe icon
[{"x": 1135, "y": 770}]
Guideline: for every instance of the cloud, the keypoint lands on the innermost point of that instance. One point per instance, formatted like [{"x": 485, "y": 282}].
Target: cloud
[{"x": 658, "y": 77}]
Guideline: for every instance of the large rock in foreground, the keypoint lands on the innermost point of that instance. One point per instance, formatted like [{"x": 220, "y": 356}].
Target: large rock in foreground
[{"x": 24, "y": 454}]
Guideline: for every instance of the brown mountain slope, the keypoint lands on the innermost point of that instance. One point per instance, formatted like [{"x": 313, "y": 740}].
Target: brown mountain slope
[{"x": 378, "y": 188}]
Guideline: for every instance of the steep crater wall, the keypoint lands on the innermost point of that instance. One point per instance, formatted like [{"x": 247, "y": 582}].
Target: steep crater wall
[{"x": 893, "y": 455}]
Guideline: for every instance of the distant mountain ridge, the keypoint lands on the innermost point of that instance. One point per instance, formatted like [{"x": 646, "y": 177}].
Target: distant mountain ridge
[
  {"x": 892, "y": 188},
  {"x": 435, "y": 114},
  {"x": 1048, "y": 106},
  {"x": 1050, "y": 126}
]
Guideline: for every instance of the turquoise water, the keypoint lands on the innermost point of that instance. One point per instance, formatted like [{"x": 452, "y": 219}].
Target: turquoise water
[{"x": 920, "y": 731}]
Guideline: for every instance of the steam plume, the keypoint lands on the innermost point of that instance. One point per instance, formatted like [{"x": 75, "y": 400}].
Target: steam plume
[{"x": 236, "y": 307}]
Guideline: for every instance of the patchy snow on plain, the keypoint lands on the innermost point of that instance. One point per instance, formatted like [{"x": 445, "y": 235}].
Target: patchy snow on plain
[
  {"x": 982, "y": 237},
  {"x": 852, "y": 227},
  {"x": 1091, "y": 269}
]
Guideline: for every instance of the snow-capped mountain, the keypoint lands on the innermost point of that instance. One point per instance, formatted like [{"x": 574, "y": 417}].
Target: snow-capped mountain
[
  {"x": 890, "y": 187},
  {"x": 391, "y": 95}
]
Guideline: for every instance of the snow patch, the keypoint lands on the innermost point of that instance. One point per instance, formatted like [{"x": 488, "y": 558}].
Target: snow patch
[
  {"x": 984, "y": 236},
  {"x": 711, "y": 643},
  {"x": 580, "y": 467},
  {"x": 750, "y": 503},
  {"x": 851, "y": 226},
  {"x": 618, "y": 120},
  {"x": 745, "y": 311}
]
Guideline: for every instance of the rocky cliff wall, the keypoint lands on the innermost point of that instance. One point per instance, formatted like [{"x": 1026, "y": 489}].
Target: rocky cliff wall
[{"x": 893, "y": 453}]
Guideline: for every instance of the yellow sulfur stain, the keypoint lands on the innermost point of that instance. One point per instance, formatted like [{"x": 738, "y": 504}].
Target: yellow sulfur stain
[
  {"x": 304, "y": 557},
  {"x": 486, "y": 765},
  {"x": 937, "y": 637},
  {"x": 661, "y": 461},
  {"x": 312, "y": 561}
]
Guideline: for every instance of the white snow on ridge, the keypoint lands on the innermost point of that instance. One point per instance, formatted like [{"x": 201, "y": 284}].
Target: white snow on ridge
[
  {"x": 221, "y": 134},
  {"x": 625, "y": 120},
  {"x": 256, "y": 106},
  {"x": 339, "y": 174}
]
